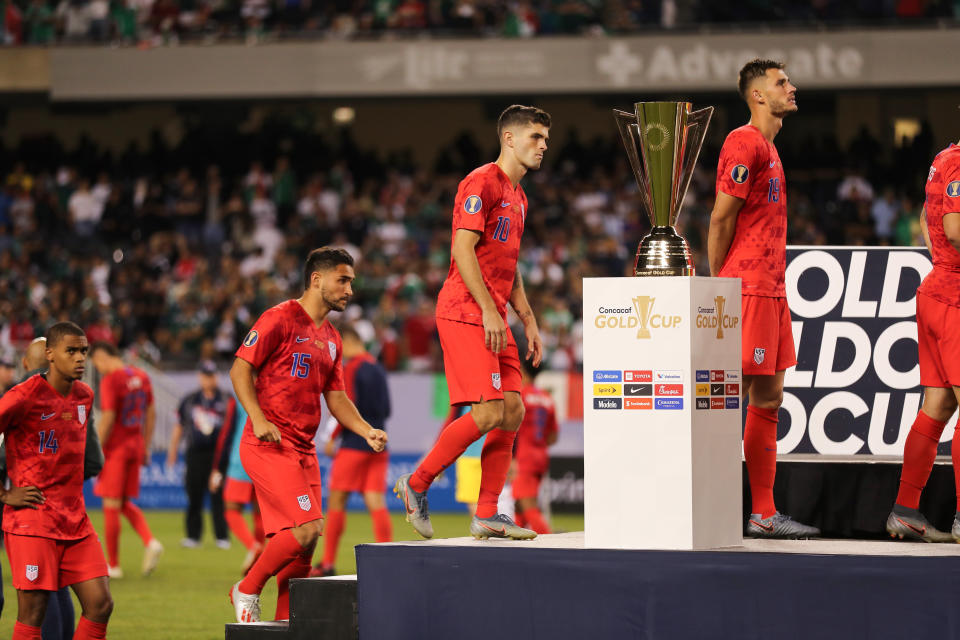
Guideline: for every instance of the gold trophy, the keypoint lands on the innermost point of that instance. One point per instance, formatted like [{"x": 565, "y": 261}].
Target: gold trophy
[{"x": 663, "y": 141}]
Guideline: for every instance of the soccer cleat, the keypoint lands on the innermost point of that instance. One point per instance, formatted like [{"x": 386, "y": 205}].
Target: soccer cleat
[
  {"x": 151, "y": 556},
  {"x": 955, "y": 530},
  {"x": 909, "y": 524},
  {"x": 415, "y": 505},
  {"x": 779, "y": 525},
  {"x": 115, "y": 573},
  {"x": 252, "y": 554},
  {"x": 320, "y": 571},
  {"x": 223, "y": 543},
  {"x": 189, "y": 543},
  {"x": 245, "y": 606},
  {"x": 499, "y": 526}
]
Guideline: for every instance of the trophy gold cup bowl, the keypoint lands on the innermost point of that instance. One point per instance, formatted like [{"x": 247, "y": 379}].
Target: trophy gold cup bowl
[{"x": 663, "y": 141}]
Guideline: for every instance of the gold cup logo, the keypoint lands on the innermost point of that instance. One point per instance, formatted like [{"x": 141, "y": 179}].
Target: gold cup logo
[
  {"x": 720, "y": 302},
  {"x": 643, "y": 305}
]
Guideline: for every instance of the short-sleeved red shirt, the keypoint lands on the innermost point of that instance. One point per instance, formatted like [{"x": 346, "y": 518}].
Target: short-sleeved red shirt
[
  {"x": 487, "y": 203},
  {"x": 296, "y": 362},
  {"x": 943, "y": 197},
  {"x": 46, "y": 435},
  {"x": 128, "y": 392},
  {"x": 750, "y": 169},
  {"x": 539, "y": 421}
]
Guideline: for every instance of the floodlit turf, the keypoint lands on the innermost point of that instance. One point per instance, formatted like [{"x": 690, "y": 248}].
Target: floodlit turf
[{"x": 186, "y": 598}]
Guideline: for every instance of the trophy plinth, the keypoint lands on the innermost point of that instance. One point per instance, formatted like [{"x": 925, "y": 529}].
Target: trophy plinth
[
  {"x": 663, "y": 140},
  {"x": 663, "y": 252}
]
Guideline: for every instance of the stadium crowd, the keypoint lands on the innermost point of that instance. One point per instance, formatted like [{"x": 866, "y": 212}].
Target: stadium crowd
[
  {"x": 171, "y": 253},
  {"x": 155, "y": 22}
]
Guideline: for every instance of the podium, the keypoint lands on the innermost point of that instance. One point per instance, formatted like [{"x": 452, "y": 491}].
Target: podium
[{"x": 662, "y": 413}]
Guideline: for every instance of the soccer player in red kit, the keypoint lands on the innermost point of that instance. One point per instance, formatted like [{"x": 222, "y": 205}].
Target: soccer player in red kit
[
  {"x": 48, "y": 536},
  {"x": 290, "y": 358},
  {"x": 748, "y": 240},
  {"x": 537, "y": 432},
  {"x": 126, "y": 429},
  {"x": 938, "y": 339},
  {"x": 480, "y": 356}
]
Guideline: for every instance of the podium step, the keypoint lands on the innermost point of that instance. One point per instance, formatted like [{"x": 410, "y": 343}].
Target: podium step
[
  {"x": 324, "y": 608},
  {"x": 258, "y": 631}
]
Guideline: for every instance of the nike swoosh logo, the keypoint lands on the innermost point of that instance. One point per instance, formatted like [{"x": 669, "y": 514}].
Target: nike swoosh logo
[
  {"x": 767, "y": 527},
  {"x": 302, "y": 339},
  {"x": 504, "y": 204},
  {"x": 47, "y": 416},
  {"x": 502, "y": 530},
  {"x": 919, "y": 531},
  {"x": 634, "y": 389},
  {"x": 773, "y": 163}
]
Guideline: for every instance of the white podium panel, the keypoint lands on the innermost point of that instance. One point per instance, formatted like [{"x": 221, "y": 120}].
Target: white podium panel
[{"x": 662, "y": 422}]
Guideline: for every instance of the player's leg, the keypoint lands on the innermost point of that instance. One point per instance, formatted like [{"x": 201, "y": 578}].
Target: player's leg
[
  {"x": 96, "y": 606},
  {"x": 374, "y": 488},
  {"x": 955, "y": 456},
  {"x": 765, "y": 394},
  {"x": 59, "y": 620},
  {"x": 526, "y": 487},
  {"x": 131, "y": 489},
  {"x": 334, "y": 524},
  {"x": 307, "y": 535},
  {"x": 218, "y": 515},
  {"x": 195, "y": 484},
  {"x": 31, "y": 609},
  {"x": 110, "y": 486},
  {"x": 237, "y": 493}
]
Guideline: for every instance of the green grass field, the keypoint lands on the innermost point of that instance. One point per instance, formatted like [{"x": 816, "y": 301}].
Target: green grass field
[{"x": 186, "y": 598}]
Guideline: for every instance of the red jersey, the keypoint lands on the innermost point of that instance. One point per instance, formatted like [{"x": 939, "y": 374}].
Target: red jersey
[
  {"x": 296, "y": 362},
  {"x": 128, "y": 392},
  {"x": 539, "y": 422},
  {"x": 750, "y": 169},
  {"x": 487, "y": 203},
  {"x": 46, "y": 436},
  {"x": 943, "y": 197}
]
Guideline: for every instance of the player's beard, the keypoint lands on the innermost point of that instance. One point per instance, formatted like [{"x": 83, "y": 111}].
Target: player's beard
[
  {"x": 336, "y": 304},
  {"x": 783, "y": 109}
]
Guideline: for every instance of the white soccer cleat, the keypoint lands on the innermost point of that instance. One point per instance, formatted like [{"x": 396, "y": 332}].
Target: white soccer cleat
[
  {"x": 151, "y": 556},
  {"x": 115, "y": 573},
  {"x": 245, "y": 606}
]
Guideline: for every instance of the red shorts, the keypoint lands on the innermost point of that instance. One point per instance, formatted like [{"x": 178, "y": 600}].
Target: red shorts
[
  {"x": 767, "y": 345},
  {"x": 238, "y": 491},
  {"x": 355, "y": 470},
  {"x": 526, "y": 484},
  {"x": 287, "y": 484},
  {"x": 120, "y": 477},
  {"x": 938, "y": 342},
  {"x": 474, "y": 372},
  {"x": 49, "y": 564}
]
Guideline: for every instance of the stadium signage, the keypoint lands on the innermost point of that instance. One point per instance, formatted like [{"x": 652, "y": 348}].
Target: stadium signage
[
  {"x": 714, "y": 317},
  {"x": 640, "y": 316},
  {"x": 856, "y": 386}
]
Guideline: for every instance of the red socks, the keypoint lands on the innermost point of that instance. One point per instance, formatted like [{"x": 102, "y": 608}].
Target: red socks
[
  {"x": 534, "y": 520},
  {"x": 88, "y": 630},
  {"x": 111, "y": 531},
  {"x": 26, "y": 632},
  {"x": 135, "y": 516},
  {"x": 279, "y": 552},
  {"x": 453, "y": 441},
  {"x": 298, "y": 568},
  {"x": 919, "y": 452},
  {"x": 332, "y": 530},
  {"x": 382, "y": 527},
  {"x": 760, "y": 453},
  {"x": 494, "y": 464},
  {"x": 238, "y": 527}
]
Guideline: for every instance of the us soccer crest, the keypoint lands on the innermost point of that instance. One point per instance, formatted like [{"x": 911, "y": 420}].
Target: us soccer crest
[
  {"x": 495, "y": 379},
  {"x": 33, "y": 572},
  {"x": 304, "y": 501},
  {"x": 332, "y": 346},
  {"x": 82, "y": 414},
  {"x": 758, "y": 354}
]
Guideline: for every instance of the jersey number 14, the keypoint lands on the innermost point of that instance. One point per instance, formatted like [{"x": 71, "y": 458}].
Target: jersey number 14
[{"x": 48, "y": 442}]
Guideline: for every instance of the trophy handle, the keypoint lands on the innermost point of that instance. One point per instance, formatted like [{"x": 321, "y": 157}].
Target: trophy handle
[
  {"x": 630, "y": 132},
  {"x": 697, "y": 123}
]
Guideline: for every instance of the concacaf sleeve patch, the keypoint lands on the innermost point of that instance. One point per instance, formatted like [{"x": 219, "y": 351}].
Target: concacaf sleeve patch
[
  {"x": 740, "y": 173},
  {"x": 472, "y": 204}
]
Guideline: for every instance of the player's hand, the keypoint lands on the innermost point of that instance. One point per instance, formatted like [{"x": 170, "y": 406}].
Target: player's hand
[
  {"x": 494, "y": 331},
  {"x": 23, "y": 497},
  {"x": 377, "y": 439},
  {"x": 534, "y": 343},
  {"x": 330, "y": 448},
  {"x": 266, "y": 431},
  {"x": 216, "y": 481},
  {"x": 171, "y": 459}
]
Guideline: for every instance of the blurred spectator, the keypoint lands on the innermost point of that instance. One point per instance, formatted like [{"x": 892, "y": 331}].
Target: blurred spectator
[{"x": 884, "y": 211}]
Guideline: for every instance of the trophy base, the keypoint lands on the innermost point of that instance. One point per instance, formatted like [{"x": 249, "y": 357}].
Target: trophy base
[{"x": 663, "y": 253}]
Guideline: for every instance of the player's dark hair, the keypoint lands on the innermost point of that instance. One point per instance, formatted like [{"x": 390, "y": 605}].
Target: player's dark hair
[
  {"x": 57, "y": 332},
  {"x": 519, "y": 114},
  {"x": 102, "y": 345},
  {"x": 528, "y": 367},
  {"x": 348, "y": 331},
  {"x": 756, "y": 68},
  {"x": 324, "y": 259}
]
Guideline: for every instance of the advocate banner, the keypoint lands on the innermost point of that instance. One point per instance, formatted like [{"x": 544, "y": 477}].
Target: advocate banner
[{"x": 856, "y": 387}]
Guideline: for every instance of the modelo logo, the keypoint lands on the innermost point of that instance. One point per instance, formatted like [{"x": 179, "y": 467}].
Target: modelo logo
[
  {"x": 607, "y": 403},
  {"x": 640, "y": 317},
  {"x": 715, "y": 318}
]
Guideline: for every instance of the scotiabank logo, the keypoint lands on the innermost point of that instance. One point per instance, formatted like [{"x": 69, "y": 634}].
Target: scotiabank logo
[
  {"x": 714, "y": 317},
  {"x": 638, "y": 376},
  {"x": 669, "y": 390},
  {"x": 638, "y": 403},
  {"x": 717, "y": 403},
  {"x": 607, "y": 403},
  {"x": 639, "y": 316}
]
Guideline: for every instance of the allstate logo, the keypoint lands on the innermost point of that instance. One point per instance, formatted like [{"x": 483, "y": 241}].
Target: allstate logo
[
  {"x": 953, "y": 189},
  {"x": 740, "y": 173},
  {"x": 472, "y": 204}
]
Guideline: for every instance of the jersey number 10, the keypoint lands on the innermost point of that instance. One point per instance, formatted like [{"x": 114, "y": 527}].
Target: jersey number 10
[{"x": 502, "y": 232}]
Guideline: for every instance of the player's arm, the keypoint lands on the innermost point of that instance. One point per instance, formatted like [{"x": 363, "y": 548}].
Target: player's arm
[
  {"x": 174, "y": 445},
  {"x": 243, "y": 375},
  {"x": 465, "y": 257},
  {"x": 925, "y": 231},
  {"x": 520, "y": 304},
  {"x": 723, "y": 224},
  {"x": 553, "y": 430},
  {"x": 149, "y": 422},
  {"x": 13, "y": 406},
  {"x": 343, "y": 409},
  {"x": 105, "y": 425},
  {"x": 951, "y": 229}
]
